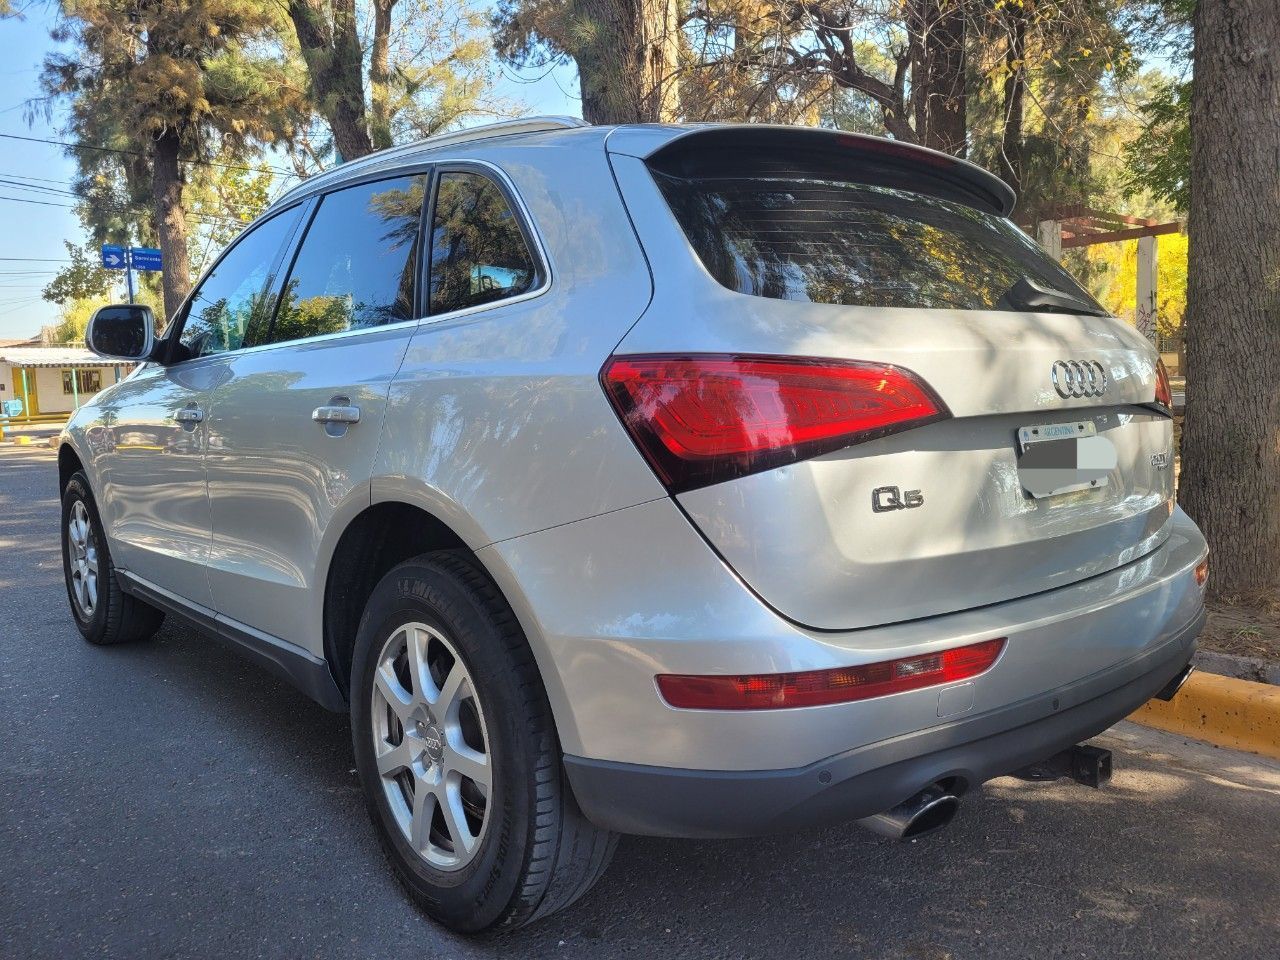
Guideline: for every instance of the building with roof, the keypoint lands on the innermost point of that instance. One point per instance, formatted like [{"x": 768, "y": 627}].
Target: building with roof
[{"x": 53, "y": 382}]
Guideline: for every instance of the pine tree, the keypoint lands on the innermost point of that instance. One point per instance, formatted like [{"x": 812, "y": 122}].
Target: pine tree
[{"x": 162, "y": 86}]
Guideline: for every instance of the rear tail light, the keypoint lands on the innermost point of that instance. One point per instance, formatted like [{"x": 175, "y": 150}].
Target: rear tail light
[
  {"x": 703, "y": 418},
  {"x": 1164, "y": 394},
  {"x": 814, "y": 688}
]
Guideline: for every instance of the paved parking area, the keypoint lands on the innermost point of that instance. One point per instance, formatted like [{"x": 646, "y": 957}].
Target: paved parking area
[{"x": 168, "y": 800}]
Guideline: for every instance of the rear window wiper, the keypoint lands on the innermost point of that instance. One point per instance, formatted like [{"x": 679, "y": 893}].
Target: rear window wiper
[{"x": 1026, "y": 294}]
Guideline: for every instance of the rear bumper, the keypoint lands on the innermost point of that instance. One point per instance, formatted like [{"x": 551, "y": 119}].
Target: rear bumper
[{"x": 643, "y": 799}]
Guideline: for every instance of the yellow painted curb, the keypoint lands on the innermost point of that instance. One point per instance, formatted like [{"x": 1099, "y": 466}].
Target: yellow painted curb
[{"x": 1239, "y": 714}]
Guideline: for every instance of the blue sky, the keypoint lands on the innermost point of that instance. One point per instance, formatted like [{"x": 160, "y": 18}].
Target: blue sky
[{"x": 33, "y": 227}]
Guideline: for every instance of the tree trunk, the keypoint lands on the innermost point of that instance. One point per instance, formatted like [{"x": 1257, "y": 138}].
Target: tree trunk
[
  {"x": 1015, "y": 88},
  {"x": 1230, "y": 481},
  {"x": 937, "y": 29},
  {"x": 627, "y": 70},
  {"x": 170, "y": 219},
  {"x": 380, "y": 75},
  {"x": 335, "y": 70},
  {"x": 659, "y": 34}
]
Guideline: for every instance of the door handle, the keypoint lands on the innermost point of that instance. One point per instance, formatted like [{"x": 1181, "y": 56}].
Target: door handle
[
  {"x": 192, "y": 415},
  {"x": 336, "y": 414}
]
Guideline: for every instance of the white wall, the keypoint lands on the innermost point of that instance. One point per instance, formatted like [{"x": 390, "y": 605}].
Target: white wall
[{"x": 48, "y": 384}]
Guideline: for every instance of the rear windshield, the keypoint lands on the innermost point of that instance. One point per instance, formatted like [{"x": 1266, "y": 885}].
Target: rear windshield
[{"x": 835, "y": 241}]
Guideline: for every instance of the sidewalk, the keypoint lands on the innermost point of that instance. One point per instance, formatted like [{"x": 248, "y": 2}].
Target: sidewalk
[{"x": 38, "y": 434}]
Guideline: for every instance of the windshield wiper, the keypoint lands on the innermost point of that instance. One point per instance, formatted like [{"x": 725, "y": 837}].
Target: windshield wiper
[{"x": 1026, "y": 294}]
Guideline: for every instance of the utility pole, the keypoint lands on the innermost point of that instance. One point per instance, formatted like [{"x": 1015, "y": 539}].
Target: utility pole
[{"x": 128, "y": 271}]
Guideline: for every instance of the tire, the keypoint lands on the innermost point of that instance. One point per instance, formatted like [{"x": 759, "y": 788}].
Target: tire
[
  {"x": 534, "y": 852},
  {"x": 107, "y": 615}
]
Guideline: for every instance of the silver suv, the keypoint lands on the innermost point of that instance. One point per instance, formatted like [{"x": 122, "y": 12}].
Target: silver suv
[{"x": 687, "y": 481}]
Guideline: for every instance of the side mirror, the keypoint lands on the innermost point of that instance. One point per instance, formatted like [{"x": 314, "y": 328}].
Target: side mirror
[{"x": 122, "y": 331}]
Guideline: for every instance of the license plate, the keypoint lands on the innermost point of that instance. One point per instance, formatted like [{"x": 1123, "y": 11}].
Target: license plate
[{"x": 1059, "y": 458}]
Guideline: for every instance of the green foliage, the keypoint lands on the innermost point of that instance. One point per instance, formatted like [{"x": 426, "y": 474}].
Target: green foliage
[
  {"x": 85, "y": 279},
  {"x": 1160, "y": 158},
  {"x": 207, "y": 70},
  {"x": 221, "y": 201}
]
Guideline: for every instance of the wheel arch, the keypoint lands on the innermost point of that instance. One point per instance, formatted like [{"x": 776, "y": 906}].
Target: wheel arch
[
  {"x": 389, "y": 532},
  {"x": 69, "y": 463}
]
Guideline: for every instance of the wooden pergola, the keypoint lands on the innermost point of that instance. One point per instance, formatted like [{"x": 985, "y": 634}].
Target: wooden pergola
[{"x": 1075, "y": 225}]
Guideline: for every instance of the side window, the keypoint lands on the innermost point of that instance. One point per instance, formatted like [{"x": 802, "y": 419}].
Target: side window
[
  {"x": 478, "y": 252},
  {"x": 232, "y": 301},
  {"x": 357, "y": 262}
]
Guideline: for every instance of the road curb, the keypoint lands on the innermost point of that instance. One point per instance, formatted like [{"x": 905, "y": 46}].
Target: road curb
[{"x": 1238, "y": 714}]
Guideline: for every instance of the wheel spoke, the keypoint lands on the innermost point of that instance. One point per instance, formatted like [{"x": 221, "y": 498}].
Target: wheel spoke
[
  {"x": 450, "y": 799},
  {"x": 454, "y": 685},
  {"x": 396, "y": 758},
  {"x": 470, "y": 764},
  {"x": 417, "y": 641},
  {"x": 397, "y": 697},
  {"x": 91, "y": 588},
  {"x": 424, "y": 807}
]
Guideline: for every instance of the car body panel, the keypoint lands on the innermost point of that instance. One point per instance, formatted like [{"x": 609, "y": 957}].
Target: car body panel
[
  {"x": 278, "y": 479},
  {"x": 806, "y": 537},
  {"x": 496, "y": 421},
  {"x": 610, "y": 620},
  {"x": 147, "y": 472}
]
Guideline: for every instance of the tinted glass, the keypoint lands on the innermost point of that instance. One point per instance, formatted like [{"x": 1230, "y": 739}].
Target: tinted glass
[
  {"x": 831, "y": 241},
  {"x": 356, "y": 265},
  {"x": 478, "y": 252},
  {"x": 230, "y": 309}
]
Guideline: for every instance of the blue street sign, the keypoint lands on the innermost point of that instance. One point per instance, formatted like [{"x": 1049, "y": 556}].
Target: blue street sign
[
  {"x": 144, "y": 258},
  {"x": 113, "y": 257}
]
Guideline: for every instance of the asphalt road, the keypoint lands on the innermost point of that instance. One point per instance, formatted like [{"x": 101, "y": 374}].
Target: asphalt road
[{"x": 168, "y": 800}]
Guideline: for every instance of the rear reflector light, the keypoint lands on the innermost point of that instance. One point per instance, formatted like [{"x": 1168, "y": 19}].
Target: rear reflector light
[
  {"x": 813, "y": 688},
  {"x": 1202, "y": 572},
  {"x": 1164, "y": 394},
  {"x": 703, "y": 418}
]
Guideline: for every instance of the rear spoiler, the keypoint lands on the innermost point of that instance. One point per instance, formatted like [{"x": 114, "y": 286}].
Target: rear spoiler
[{"x": 725, "y": 149}]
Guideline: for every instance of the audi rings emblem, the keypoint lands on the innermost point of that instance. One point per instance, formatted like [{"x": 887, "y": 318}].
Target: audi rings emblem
[{"x": 1078, "y": 378}]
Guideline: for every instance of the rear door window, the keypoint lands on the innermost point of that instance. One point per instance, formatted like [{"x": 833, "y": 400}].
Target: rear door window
[
  {"x": 827, "y": 240},
  {"x": 357, "y": 263},
  {"x": 478, "y": 251}
]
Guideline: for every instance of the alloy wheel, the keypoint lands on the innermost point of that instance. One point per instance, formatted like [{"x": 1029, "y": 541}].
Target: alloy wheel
[
  {"x": 84, "y": 559},
  {"x": 431, "y": 746}
]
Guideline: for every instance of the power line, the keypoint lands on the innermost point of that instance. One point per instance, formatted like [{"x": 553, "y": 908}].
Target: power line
[
  {"x": 137, "y": 153},
  {"x": 236, "y": 209},
  {"x": 199, "y": 217},
  {"x": 43, "y": 203},
  {"x": 35, "y": 187}
]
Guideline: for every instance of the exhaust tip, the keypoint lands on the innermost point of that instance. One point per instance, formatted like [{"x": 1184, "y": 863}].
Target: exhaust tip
[
  {"x": 933, "y": 816},
  {"x": 1170, "y": 689},
  {"x": 930, "y": 809}
]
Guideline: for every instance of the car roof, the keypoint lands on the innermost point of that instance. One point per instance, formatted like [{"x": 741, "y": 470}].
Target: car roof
[{"x": 646, "y": 140}]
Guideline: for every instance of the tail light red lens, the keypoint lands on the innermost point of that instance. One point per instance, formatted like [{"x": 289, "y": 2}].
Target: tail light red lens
[
  {"x": 1164, "y": 393},
  {"x": 704, "y": 418},
  {"x": 815, "y": 688}
]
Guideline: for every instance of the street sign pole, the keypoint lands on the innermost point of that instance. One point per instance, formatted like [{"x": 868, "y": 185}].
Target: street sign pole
[{"x": 128, "y": 275}]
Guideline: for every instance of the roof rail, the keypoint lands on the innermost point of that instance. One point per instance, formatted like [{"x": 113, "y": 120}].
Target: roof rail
[{"x": 502, "y": 128}]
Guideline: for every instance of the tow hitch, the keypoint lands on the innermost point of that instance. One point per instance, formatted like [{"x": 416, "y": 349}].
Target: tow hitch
[{"x": 1082, "y": 763}]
